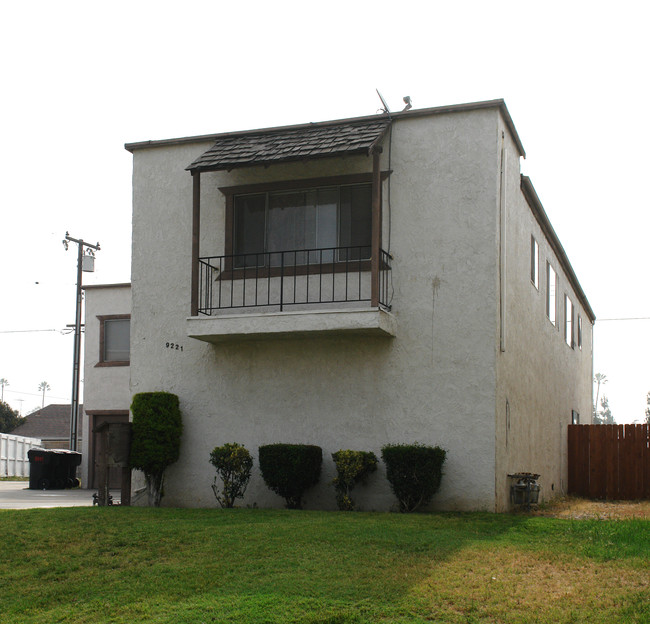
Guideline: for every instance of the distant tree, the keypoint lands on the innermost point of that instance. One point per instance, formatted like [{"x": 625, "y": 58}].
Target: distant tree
[
  {"x": 3, "y": 383},
  {"x": 9, "y": 418},
  {"x": 605, "y": 416},
  {"x": 647, "y": 409},
  {"x": 44, "y": 386},
  {"x": 601, "y": 380}
]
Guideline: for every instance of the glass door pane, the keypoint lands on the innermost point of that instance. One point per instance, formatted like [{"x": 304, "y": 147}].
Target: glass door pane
[
  {"x": 250, "y": 218},
  {"x": 356, "y": 221}
]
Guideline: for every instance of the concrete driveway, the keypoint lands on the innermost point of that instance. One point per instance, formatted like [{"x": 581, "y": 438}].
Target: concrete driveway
[{"x": 17, "y": 495}]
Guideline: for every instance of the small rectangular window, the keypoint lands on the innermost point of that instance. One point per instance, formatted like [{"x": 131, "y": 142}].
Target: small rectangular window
[
  {"x": 575, "y": 418},
  {"x": 114, "y": 340},
  {"x": 551, "y": 299},
  {"x": 579, "y": 332},
  {"x": 568, "y": 321},
  {"x": 534, "y": 262}
]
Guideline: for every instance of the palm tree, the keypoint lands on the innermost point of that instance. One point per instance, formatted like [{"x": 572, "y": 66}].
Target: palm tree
[
  {"x": 44, "y": 386},
  {"x": 3, "y": 383},
  {"x": 600, "y": 379}
]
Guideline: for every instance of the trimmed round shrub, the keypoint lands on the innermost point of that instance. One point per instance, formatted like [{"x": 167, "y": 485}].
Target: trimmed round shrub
[
  {"x": 352, "y": 467},
  {"x": 290, "y": 469},
  {"x": 233, "y": 463},
  {"x": 414, "y": 472},
  {"x": 156, "y": 441}
]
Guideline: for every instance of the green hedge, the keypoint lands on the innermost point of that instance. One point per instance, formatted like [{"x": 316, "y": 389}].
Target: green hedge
[
  {"x": 233, "y": 463},
  {"x": 156, "y": 442},
  {"x": 290, "y": 469},
  {"x": 352, "y": 467},
  {"x": 414, "y": 472}
]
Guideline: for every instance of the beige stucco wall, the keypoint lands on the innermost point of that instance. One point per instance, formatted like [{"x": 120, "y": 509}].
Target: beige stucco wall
[
  {"x": 434, "y": 382},
  {"x": 540, "y": 379},
  {"x": 442, "y": 379},
  {"x": 106, "y": 388}
]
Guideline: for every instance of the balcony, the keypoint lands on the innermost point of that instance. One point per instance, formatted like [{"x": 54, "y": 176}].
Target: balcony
[{"x": 290, "y": 294}]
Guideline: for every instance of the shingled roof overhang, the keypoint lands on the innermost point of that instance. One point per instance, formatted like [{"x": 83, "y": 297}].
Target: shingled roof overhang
[{"x": 291, "y": 144}]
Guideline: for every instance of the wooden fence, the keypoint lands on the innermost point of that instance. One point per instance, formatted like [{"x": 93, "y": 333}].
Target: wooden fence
[{"x": 609, "y": 461}]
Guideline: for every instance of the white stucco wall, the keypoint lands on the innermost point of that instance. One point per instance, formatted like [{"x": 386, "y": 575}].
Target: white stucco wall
[
  {"x": 434, "y": 382},
  {"x": 106, "y": 388},
  {"x": 540, "y": 379}
]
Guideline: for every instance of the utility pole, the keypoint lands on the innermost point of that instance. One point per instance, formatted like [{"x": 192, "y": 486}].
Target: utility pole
[{"x": 85, "y": 250}]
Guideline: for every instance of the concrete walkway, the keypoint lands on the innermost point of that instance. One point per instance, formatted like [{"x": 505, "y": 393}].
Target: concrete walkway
[{"x": 17, "y": 495}]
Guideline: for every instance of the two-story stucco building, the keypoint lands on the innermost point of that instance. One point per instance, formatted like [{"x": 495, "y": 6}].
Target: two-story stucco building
[
  {"x": 107, "y": 397},
  {"x": 353, "y": 283}
]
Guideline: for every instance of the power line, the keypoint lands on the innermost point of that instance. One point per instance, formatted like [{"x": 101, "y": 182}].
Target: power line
[
  {"x": 49, "y": 396},
  {"x": 628, "y": 318},
  {"x": 27, "y": 331}
]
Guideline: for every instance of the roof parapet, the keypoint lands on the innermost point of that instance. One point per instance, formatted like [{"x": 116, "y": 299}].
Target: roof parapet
[{"x": 542, "y": 218}]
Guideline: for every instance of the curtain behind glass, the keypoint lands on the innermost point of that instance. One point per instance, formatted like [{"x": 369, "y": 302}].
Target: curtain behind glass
[
  {"x": 299, "y": 221},
  {"x": 355, "y": 227},
  {"x": 116, "y": 340},
  {"x": 250, "y": 219}
]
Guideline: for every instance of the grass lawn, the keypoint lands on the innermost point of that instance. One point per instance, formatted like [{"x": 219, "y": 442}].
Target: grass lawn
[{"x": 134, "y": 565}]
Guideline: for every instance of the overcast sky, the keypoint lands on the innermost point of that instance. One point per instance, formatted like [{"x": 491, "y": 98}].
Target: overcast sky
[{"x": 79, "y": 79}]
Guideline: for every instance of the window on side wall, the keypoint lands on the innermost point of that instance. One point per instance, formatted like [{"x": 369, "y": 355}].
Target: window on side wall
[
  {"x": 551, "y": 290},
  {"x": 579, "y": 332},
  {"x": 114, "y": 340},
  {"x": 568, "y": 321},
  {"x": 316, "y": 225},
  {"x": 534, "y": 262}
]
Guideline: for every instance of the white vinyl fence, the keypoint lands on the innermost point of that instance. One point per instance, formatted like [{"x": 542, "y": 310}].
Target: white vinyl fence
[{"x": 13, "y": 454}]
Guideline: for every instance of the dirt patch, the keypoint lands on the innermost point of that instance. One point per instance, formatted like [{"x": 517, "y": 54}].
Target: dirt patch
[
  {"x": 581, "y": 508},
  {"x": 497, "y": 583}
]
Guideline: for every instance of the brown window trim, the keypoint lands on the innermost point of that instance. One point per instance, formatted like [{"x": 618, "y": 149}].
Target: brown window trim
[
  {"x": 284, "y": 185},
  {"x": 101, "y": 319}
]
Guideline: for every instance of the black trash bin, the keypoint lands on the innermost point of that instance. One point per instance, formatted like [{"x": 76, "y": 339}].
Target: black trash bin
[{"x": 53, "y": 469}]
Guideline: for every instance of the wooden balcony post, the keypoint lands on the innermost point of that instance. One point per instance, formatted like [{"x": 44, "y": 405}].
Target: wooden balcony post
[
  {"x": 376, "y": 227},
  {"x": 196, "y": 230}
]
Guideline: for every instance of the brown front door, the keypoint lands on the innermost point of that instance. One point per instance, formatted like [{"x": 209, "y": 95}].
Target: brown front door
[{"x": 115, "y": 474}]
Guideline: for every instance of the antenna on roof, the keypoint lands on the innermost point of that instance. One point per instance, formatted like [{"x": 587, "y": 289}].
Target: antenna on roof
[{"x": 384, "y": 108}]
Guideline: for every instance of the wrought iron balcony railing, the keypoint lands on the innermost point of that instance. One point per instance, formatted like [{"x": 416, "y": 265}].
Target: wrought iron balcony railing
[{"x": 301, "y": 277}]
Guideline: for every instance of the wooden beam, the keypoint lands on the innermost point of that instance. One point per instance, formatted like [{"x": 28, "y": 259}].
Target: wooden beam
[
  {"x": 196, "y": 230},
  {"x": 376, "y": 228}
]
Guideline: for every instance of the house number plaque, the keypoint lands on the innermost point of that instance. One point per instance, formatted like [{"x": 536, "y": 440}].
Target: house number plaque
[{"x": 174, "y": 346}]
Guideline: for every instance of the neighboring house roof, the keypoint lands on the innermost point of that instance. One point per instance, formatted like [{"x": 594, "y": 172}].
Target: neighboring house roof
[
  {"x": 316, "y": 141},
  {"x": 305, "y": 129},
  {"x": 50, "y": 423}
]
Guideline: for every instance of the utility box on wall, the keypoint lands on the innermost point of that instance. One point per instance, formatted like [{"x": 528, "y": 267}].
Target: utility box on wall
[{"x": 525, "y": 490}]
